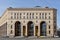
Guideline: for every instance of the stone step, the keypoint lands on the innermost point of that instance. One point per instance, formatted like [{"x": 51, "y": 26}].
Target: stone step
[{"x": 29, "y": 39}]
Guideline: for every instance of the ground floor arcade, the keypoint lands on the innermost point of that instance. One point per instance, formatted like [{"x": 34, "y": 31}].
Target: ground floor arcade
[{"x": 30, "y": 29}]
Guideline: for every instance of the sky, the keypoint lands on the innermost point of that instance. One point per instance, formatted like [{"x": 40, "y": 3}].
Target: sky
[{"x": 31, "y": 3}]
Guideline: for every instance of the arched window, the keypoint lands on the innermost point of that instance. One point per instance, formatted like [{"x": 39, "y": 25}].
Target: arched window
[
  {"x": 43, "y": 28},
  {"x": 17, "y": 28},
  {"x": 30, "y": 28}
]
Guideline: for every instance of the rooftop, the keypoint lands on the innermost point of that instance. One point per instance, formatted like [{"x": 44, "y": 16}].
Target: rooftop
[{"x": 34, "y": 8}]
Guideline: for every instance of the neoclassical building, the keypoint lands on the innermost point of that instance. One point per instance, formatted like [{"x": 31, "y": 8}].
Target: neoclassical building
[{"x": 28, "y": 22}]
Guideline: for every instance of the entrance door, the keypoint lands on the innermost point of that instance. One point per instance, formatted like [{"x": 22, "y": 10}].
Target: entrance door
[
  {"x": 36, "y": 30},
  {"x": 43, "y": 29},
  {"x": 24, "y": 30},
  {"x": 30, "y": 27},
  {"x": 17, "y": 28}
]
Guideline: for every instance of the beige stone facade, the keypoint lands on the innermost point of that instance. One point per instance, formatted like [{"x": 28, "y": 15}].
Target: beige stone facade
[{"x": 28, "y": 22}]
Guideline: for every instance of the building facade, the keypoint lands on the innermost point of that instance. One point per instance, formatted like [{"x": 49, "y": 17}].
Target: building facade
[{"x": 28, "y": 22}]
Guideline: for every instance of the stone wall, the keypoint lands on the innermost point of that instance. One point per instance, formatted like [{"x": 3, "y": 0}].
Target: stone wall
[{"x": 3, "y": 30}]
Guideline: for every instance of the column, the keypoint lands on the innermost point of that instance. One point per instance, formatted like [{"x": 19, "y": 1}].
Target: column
[
  {"x": 38, "y": 30},
  {"x": 34, "y": 30},
  {"x": 22, "y": 30},
  {"x": 14, "y": 29},
  {"x": 26, "y": 31}
]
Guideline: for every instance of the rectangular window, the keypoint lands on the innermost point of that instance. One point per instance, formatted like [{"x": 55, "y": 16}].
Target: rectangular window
[
  {"x": 30, "y": 16},
  {"x": 49, "y": 17},
  {"x": 17, "y": 15},
  {"x": 40, "y": 13},
  {"x": 11, "y": 17},
  {"x": 27, "y": 13},
  {"x": 11, "y": 21},
  {"x": 20, "y": 14},
  {"x": 20, "y": 17},
  {"x": 32, "y": 13},
  {"x": 33, "y": 17},
  {"x": 11, "y": 26},
  {"x": 23, "y": 17},
  {"x": 45, "y": 13},
  {"x": 49, "y": 21},
  {"x": 14, "y": 15},
  {"x": 55, "y": 27},
  {"x": 36, "y": 21},
  {"x": 49, "y": 13},
  {"x": 27, "y": 17},
  {"x": 11, "y": 32},
  {"x": 49, "y": 32},
  {"x": 49, "y": 26},
  {"x": 40, "y": 17},
  {"x": 36, "y": 17},
  {"x": 45, "y": 17},
  {"x": 36, "y": 13},
  {"x": 54, "y": 21}
]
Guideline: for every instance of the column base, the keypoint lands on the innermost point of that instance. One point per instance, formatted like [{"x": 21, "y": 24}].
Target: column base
[
  {"x": 19, "y": 37},
  {"x": 32, "y": 36},
  {"x": 11, "y": 36}
]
